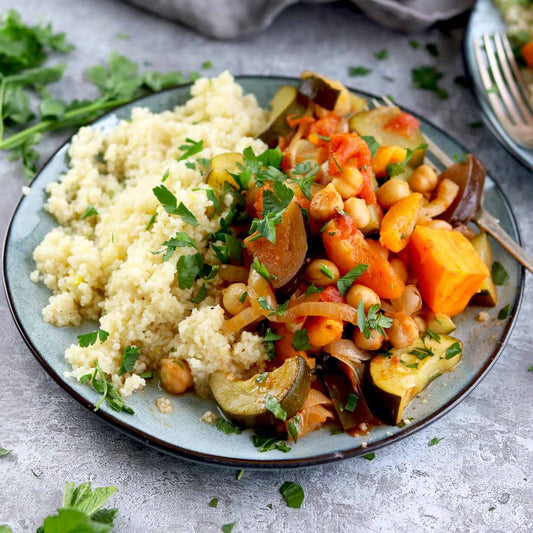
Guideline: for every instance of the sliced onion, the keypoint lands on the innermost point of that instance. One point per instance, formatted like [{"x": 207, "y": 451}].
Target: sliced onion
[
  {"x": 347, "y": 349},
  {"x": 243, "y": 319},
  {"x": 233, "y": 273},
  {"x": 329, "y": 309},
  {"x": 259, "y": 287}
]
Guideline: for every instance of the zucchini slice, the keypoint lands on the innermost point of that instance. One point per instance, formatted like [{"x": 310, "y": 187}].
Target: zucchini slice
[
  {"x": 245, "y": 402},
  {"x": 284, "y": 103},
  {"x": 486, "y": 295},
  {"x": 220, "y": 168},
  {"x": 393, "y": 381},
  {"x": 373, "y": 123},
  {"x": 320, "y": 90}
]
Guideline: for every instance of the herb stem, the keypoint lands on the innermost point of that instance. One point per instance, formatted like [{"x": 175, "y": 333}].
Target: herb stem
[{"x": 2, "y": 93}]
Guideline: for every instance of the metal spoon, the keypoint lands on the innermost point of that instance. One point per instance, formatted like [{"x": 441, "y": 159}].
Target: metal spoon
[{"x": 470, "y": 176}]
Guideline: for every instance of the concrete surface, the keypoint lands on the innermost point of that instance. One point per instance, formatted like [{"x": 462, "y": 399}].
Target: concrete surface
[{"x": 478, "y": 478}]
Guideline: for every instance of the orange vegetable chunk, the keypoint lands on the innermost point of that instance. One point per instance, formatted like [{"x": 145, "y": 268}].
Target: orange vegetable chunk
[
  {"x": 527, "y": 53},
  {"x": 323, "y": 330},
  {"x": 448, "y": 268},
  {"x": 399, "y": 222},
  {"x": 387, "y": 155},
  {"x": 346, "y": 246}
]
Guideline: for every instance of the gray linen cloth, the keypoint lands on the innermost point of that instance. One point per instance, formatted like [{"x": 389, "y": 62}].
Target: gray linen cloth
[{"x": 231, "y": 19}]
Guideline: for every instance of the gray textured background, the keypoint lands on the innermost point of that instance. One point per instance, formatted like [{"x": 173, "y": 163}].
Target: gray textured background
[{"x": 479, "y": 478}]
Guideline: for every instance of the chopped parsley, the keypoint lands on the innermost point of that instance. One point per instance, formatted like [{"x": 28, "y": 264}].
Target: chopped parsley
[
  {"x": 267, "y": 444},
  {"x": 190, "y": 148},
  {"x": 230, "y": 250},
  {"x": 4, "y": 452},
  {"x": 358, "y": 71},
  {"x": 170, "y": 204},
  {"x": 180, "y": 240},
  {"x": 263, "y": 303},
  {"x": 351, "y": 403},
  {"x": 504, "y": 312},
  {"x": 499, "y": 274},
  {"x": 427, "y": 78},
  {"x": 395, "y": 169},
  {"x": 191, "y": 165},
  {"x": 432, "y": 49},
  {"x": 374, "y": 320},
  {"x": 207, "y": 64},
  {"x": 88, "y": 339},
  {"x": 431, "y": 334},
  {"x": 227, "y": 427},
  {"x": 313, "y": 289},
  {"x": 382, "y": 54},
  {"x": 453, "y": 350},
  {"x": 129, "y": 358},
  {"x": 151, "y": 221},
  {"x": 434, "y": 441},
  {"x": 273, "y": 405},
  {"x": 260, "y": 269},
  {"x": 293, "y": 427},
  {"x": 327, "y": 272},
  {"x": 243, "y": 296},
  {"x": 228, "y": 528},
  {"x": 373, "y": 145},
  {"x": 269, "y": 340},
  {"x": 339, "y": 168},
  {"x": 369, "y": 456},
  {"x": 89, "y": 212},
  {"x": 146, "y": 375},
  {"x": 240, "y": 473},
  {"x": 307, "y": 173},
  {"x": 476, "y": 125},
  {"x": 165, "y": 176},
  {"x": 213, "y": 502},
  {"x": 300, "y": 340},
  {"x": 415, "y": 45},
  {"x": 293, "y": 494},
  {"x": 189, "y": 267},
  {"x": 261, "y": 377},
  {"x": 346, "y": 281},
  {"x": 422, "y": 353}
]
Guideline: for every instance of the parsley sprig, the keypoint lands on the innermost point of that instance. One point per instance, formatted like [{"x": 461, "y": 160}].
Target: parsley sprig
[
  {"x": 374, "y": 320},
  {"x": 396, "y": 169}
]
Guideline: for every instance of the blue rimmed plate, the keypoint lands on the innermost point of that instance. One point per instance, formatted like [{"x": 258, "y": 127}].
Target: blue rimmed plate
[
  {"x": 182, "y": 433},
  {"x": 486, "y": 18}
]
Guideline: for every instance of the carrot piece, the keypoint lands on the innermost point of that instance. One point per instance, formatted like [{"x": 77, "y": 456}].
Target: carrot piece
[
  {"x": 448, "y": 268},
  {"x": 399, "y": 222},
  {"x": 346, "y": 246},
  {"x": 322, "y": 330},
  {"x": 527, "y": 53},
  {"x": 387, "y": 155}
]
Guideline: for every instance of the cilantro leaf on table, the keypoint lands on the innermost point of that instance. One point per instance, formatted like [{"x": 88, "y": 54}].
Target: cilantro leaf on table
[
  {"x": 427, "y": 78},
  {"x": 293, "y": 494},
  {"x": 358, "y": 71}
]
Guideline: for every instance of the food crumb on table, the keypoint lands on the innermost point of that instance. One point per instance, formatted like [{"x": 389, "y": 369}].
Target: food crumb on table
[
  {"x": 209, "y": 417},
  {"x": 483, "y": 316},
  {"x": 164, "y": 405}
]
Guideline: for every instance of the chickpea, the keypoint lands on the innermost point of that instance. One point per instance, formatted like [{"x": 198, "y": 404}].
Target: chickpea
[
  {"x": 349, "y": 183},
  {"x": 357, "y": 209},
  {"x": 176, "y": 375},
  {"x": 392, "y": 191},
  {"x": 322, "y": 273},
  {"x": 374, "y": 342},
  {"x": 403, "y": 331},
  {"x": 410, "y": 302},
  {"x": 231, "y": 298},
  {"x": 326, "y": 203},
  {"x": 399, "y": 267},
  {"x": 420, "y": 323},
  {"x": 423, "y": 179},
  {"x": 356, "y": 293}
]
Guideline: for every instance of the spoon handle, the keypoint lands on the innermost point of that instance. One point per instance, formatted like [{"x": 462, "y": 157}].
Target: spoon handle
[{"x": 491, "y": 225}]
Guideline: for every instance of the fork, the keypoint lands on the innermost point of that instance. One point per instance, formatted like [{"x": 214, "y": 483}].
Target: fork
[
  {"x": 505, "y": 89},
  {"x": 483, "y": 219}
]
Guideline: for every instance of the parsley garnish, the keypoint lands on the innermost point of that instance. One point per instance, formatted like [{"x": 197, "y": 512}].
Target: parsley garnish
[
  {"x": 422, "y": 353},
  {"x": 151, "y": 221},
  {"x": 88, "y": 339},
  {"x": 396, "y": 169},
  {"x": 434, "y": 441},
  {"x": 427, "y": 78},
  {"x": 169, "y": 203},
  {"x": 200, "y": 295},
  {"x": 263, "y": 303},
  {"x": 301, "y": 340},
  {"x": 313, "y": 289},
  {"x": 453, "y": 350},
  {"x": 227, "y": 427},
  {"x": 260, "y": 269},
  {"x": 409, "y": 365},
  {"x": 499, "y": 274},
  {"x": 242, "y": 297},
  {"x": 146, "y": 375},
  {"x": 414, "y": 44},
  {"x": 476, "y": 125},
  {"x": 432, "y": 49},
  {"x": 189, "y": 267},
  {"x": 351, "y": 403},
  {"x": 293, "y": 427},
  {"x": 267, "y": 444},
  {"x": 269, "y": 340},
  {"x": 165, "y": 176},
  {"x": 373, "y": 145},
  {"x": 129, "y": 358},
  {"x": 382, "y": 54},
  {"x": 273, "y": 405},
  {"x": 179, "y": 240},
  {"x": 293, "y": 494},
  {"x": 89, "y": 212},
  {"x": 347, "y": 280},
  {"x": 240, "y": 473},
  {"x": 327, "y": 272},
  {"x": 431, "y": 334},
  {"x": 207, "y": 64},
  {"x": 213, "y": 502},
  {"x": 374, "y": 320},
  {"x": 358, "y": 71},
  {"x": 3, "y": 452},
  {"x": 369, "y": 456},
  {"x": 504, "y": 312},
  {"x": 191, "y": 165},
  {"x": 261, "y": 377},
  {"x": 228, "y": 528},
  {"x": 189, "y": 148},
  {"x": 231, "y": 250},
  {"x": 307, "y": 173},
  {"x": 339, "y": 168}
]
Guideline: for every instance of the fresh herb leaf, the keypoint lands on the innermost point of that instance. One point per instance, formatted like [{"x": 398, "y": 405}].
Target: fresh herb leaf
[
  {"x": 228, "y": 528},
  {"x": 431, "y": 334},
  {"x": 339, "y": 168},
  {"x": 213, "y": 502},
  {"x": 261, "y": 377},
  {"x": 151, "y": 221},
  {"x": 369, "y": 456},
  {"x": 88, "y": 339},
  {"x": 269, "y": 340},
  {"x": 327, "y": 272},
  {"x": 243, "y": 296},
  {"x": 395, "y": 169},
  {"x": 313, "y": 289},
  {"x": 476, "y": 125},
  {"x": 260, "y": 269},
  {"x": 374, "y": 320},
  {"x": 169, "y": 203},
  {"x": 427, "y": 78},
  {"x": 200, "y": 295},
  {"x": 432, "y": 49},
  {"x": 146, "y": 375},
  {"x": 240, "y": 473},
  {"x": 307, "y": 171},
  {"x": 346, "y": 281},
  {"x": 165, "y": 176},
  {"x": 273, "y": 405},
  {"x": 415, "y": 45},
  {"x": 89, "y": 212},
  {"x": 358, "y": 71},
  {"x": 422, "y": 353},
  {"x": 382, "y": 54},
  {"x": 189, "y": 267},
  {"x": 190, "y": 148},
  {"x": 499, "y": 274},
  {"x": 267, "y": 444},
  {"x": 293, "y": 494},
  {"x": 434, "y": 441},
  {"x": 453, "y": 350},
  {"x": 129, "y": 358},
  {"x": 373, "y": 145},
  {"x": 409, "y": 365},
  {"x": 300, "y": 340},
  {"x": 263, "y": 303},
  {"x": 191, "y": 165},
  {"x": 504, "y": 312},
  {"x": 180, "y": 240},
  {"x": 351, "y": 403},
  {"x": 207, "y": 64},
  {"x": 227, "y": 427},
  {"x": 293, "y": 427},
  {"x": 4, "y": 452}
]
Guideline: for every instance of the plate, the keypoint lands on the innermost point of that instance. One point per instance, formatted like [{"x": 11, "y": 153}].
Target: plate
[
  {"x": 487, "y": 19},
  {"x": 182, "y": 433}
]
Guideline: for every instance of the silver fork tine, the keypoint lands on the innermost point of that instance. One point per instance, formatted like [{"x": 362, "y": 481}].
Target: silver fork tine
[
  {"x": 506, "y": 97},
  {"x": 507, "y": 62}
]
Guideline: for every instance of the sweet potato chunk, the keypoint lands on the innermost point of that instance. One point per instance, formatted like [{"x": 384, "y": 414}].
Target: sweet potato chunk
[{"x": 448, "y": 268}]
